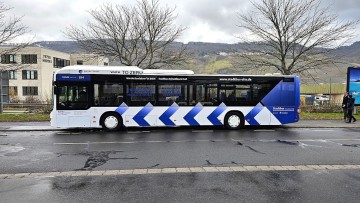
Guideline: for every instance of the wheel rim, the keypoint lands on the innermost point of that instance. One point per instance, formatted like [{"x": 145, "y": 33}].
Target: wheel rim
[
  {"x": 111, "y": 122},
  {"x": 234, "y": 121}
]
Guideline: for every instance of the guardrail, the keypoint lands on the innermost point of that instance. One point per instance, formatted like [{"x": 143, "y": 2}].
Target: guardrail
[
  {"x": 15, "y": 112},
  {"x": 24, "y": 105}
]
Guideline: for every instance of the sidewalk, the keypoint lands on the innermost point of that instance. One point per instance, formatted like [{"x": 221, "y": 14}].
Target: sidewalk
[
  {"x": 45, "y": 126},
  {"x": 323, "y": 124}
]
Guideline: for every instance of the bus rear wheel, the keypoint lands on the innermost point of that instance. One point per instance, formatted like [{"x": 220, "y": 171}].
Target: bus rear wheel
[
  {"x": 111, "y": 122},
  {"x": 234, "y": 121}
]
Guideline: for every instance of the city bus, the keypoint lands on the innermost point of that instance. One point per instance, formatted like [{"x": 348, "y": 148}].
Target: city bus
[{"x": 112, "y": 97}]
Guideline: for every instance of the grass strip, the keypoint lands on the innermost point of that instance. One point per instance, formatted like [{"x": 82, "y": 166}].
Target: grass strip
[{"x": 24, "y": 117}]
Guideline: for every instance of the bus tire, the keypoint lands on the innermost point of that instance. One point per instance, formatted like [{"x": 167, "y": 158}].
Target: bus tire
[
  {"x": 111, "y": 121},
  {"x": 234, "y": 120}
]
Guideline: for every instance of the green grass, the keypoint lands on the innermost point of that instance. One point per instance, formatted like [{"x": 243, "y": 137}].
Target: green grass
[
  {"x": 321, "y": 116},
  {"x": 24, "y": 117},
  {"x": 217, "y": 65}
]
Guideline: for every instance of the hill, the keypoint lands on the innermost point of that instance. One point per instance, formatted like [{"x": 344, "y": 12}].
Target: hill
[{"x": 218, "y": 58}]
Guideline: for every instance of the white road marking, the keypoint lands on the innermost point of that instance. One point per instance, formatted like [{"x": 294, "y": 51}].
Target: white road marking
[
  {"x": 66, "y": 133},
  {"x": 184, "y": 141},
  {"x": 202, "y": 131},
  {"x": 264, "y": 130},
  {"x": 136, "y": 142},
  {"x": 303, "y": 140},
  {"x": 323, "y": 130}
]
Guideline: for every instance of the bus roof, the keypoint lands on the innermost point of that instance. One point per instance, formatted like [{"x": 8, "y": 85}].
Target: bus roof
[
  {"x": 167, "y": 72},
  {"x": 134, "y": 70}
]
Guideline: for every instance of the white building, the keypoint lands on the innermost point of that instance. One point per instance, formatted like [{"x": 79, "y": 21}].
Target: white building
[{"x": 33, "y": 82}]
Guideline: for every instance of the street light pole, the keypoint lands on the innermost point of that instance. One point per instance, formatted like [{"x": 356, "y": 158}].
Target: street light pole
[{"x": 330, "y": 92}]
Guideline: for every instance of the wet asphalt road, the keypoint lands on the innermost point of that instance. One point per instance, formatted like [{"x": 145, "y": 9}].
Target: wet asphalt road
[
  {"x": 284, "y": 186},
  {"x": 30, "y": 152}
]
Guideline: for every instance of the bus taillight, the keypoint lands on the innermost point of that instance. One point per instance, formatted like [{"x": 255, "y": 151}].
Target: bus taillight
[{"x": 298, "y": 110}]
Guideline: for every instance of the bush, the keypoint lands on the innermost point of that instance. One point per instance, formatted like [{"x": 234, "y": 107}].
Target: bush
[{"x": 322, "y": 109}]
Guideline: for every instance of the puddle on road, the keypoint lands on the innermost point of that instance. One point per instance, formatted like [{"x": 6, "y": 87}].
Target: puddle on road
[
  {"x": 8, "y": 149},
  {"x": 296, "y": 143},
  {"x": 288, "y": 142},
  {"x": 98, "y": 158},
  {"x": 351, "y": 145},
  {"x": 208, "y": 163},
  {"x": 251, "y": 148}
]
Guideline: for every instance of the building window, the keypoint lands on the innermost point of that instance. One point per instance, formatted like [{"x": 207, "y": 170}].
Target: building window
[
  {"x": 12, "y": 74},
  {"x": 30, "y": 91},
  {"x": 29, "y": 59},
  {"x": 13, "y": 91},
  {"x": 59, "y": 63},
  {"x": 106, "y": 64},
  {"x": 29, "y": 75},
  {"x": 8, "y": 58},
  {"x": 79, "y": 62}
]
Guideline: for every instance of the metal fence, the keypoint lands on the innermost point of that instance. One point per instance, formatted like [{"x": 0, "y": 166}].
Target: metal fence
[{"x": 27, "y": 108}]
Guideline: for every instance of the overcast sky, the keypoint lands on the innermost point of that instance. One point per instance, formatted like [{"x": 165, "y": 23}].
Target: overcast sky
[{"x": 206, "y": 20}]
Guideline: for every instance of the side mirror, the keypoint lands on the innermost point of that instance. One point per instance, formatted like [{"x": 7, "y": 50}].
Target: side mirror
[{"x": 55, "y": 90}]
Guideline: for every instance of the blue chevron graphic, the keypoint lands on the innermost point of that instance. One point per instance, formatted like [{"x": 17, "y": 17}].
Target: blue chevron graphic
[
  {"x": 190, "y": 117},
  {"x": 122, "y": 108},
  {"x": 213, "y": 116},
  {"x": 139, "y": 118},
  {"x": 165, "y": 117},
  {"x": 250, "y": 117}
]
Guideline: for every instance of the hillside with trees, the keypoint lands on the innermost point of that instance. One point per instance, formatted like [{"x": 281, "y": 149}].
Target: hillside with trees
[{"x": 221, "y": 58}]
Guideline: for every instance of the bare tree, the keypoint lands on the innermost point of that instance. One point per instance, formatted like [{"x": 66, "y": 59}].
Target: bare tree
[
  {"x": 10, "y": 29},
  {"x": 142, "y": 35},
  {"x": 293, "y": 36}
]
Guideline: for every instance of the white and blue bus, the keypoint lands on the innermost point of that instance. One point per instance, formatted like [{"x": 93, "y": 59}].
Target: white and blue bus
[{"x": 111, "y": 97}]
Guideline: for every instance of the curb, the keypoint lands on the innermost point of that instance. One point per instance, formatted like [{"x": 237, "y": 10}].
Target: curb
[
  {"x": 42, "y": 128},
  {"x": 180, "y": 171}
]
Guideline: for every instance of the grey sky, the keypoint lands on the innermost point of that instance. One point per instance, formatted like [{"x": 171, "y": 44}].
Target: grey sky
[{"x": 206, "y": 20}]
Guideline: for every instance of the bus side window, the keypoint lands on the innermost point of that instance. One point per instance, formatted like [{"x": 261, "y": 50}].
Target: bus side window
[
  {"x": 108, "y": 94},
  {"x": 170, "y": 93},
  {"x": 82, "y": 98},
  {"x": 140, "y": 94}
]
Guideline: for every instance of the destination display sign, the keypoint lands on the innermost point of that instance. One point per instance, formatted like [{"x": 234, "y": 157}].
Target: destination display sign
[
  {"x": 115, "y": 72},
  {"x": 73, "y": 77}
]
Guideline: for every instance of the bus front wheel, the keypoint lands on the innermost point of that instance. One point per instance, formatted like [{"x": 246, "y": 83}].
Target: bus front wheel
[
  {"x": 234, "y": 120},
  {"x": 111, "y": 122}
]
